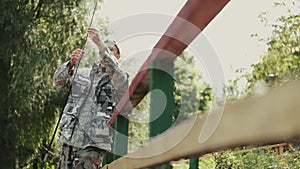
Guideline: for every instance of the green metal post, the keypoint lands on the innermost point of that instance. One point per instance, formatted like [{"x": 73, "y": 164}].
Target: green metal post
[
  {"x": 108, "y": 158},
  {"x": 162, "y": 96},
  {"x": 121, "y": 137},
  {"x": 120, "y": 146},
  {"x": 194, "y": 162}
]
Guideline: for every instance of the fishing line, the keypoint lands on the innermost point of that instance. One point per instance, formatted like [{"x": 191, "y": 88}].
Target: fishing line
[{"x": 47, "y": 149}]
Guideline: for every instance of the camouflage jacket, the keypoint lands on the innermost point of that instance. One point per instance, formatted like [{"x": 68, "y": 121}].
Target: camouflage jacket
[{"x": 85, "y": 117}]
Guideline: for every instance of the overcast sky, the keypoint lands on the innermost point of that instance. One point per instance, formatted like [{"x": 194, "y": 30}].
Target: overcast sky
[{"x": 228, "y": 34}]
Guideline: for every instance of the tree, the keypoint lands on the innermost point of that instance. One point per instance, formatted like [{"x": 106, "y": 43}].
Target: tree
[
  {"x": 280, "y": 64},
  {"x": 192, "y": 96},
  {"x": 36, "y": 36},
  {"x": 282, "y": 58}
]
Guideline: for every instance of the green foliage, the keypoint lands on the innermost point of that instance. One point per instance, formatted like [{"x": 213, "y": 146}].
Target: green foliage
[
  {"x": 192, "y": 96},
  {"x": 259, "y": 158},
  {"x": 139, "y": 125},
  {"x": 226, "y": 160},
  {"x": 279, "y": 65},
  {"x": 207, "y": 161},
  {"x": 282, "y": 58},
  {"x": 36, "y": 37}
]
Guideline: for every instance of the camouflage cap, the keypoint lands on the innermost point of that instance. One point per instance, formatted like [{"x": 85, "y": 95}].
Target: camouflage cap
[{"x": 114, "y": 43}]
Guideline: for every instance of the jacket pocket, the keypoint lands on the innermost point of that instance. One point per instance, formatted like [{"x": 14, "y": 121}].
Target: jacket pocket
[
  {"x": 79, "y": 85},
  {"x": 98, "y": 128},
  {"x": 67, "y": 124},
  {"x": 68, "y": 121}
]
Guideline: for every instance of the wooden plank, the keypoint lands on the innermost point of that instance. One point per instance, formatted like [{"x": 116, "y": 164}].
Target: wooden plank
[{"x": 265, "y": 119}]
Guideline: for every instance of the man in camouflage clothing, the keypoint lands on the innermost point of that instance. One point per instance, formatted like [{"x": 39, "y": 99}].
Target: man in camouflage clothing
[{"x": 86, "y": 135}]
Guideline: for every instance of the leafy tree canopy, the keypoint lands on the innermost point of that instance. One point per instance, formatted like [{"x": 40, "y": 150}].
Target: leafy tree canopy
[
  {"x": 281, "y": 62},
  {"x": 36, "y": 37}
]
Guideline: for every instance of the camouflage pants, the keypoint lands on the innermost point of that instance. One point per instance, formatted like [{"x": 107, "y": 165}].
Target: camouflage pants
[{"x": 74, "y": 158}]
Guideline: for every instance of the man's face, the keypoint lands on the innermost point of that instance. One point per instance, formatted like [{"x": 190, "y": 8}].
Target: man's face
[{"x": 113, "y": 49}]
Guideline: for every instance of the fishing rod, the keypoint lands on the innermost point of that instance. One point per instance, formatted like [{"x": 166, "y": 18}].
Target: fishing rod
[{"x": 47, "y": 149}]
